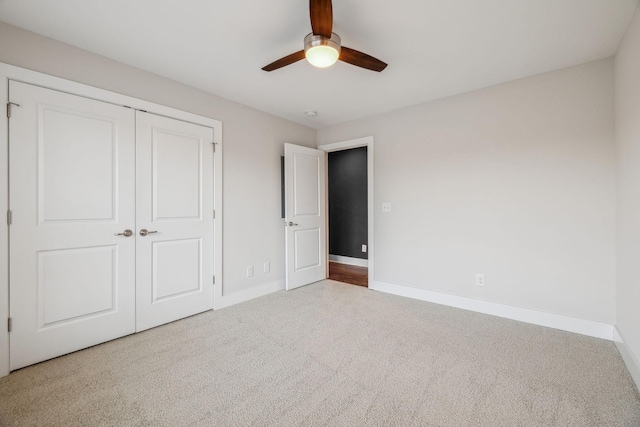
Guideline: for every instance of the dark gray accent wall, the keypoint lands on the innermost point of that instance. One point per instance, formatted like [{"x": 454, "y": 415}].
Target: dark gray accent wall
[{"x": 348, "y": 202}]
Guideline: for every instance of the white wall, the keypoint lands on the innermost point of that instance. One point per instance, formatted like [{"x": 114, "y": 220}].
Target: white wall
[
  {"x": 253, "y": 143},
  {"x": 627, "y": 109},
  {"x": 516, "y": 181}
]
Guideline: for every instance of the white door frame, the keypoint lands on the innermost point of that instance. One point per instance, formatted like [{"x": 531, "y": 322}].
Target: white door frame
[
  {"x": 367, "y": 141},
  {"x": 10, "y": 72}
]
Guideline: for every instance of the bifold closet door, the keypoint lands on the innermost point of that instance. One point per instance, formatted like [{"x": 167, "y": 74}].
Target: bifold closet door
[
  {"x": 72, "y": 193},
  {"x": 174, "y": 210}
]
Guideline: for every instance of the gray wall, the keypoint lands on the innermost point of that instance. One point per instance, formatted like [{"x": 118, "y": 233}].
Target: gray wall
[
  {"x": 516, "y": 181},
  {"x": 253, "y": 143},
  {"x": 627, "y": 72}
]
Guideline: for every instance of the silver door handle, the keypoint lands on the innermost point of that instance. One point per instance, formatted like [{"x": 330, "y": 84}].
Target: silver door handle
[
  {"x": 125, "y": 233},
  {"x": 291, "y": 224},
  {"x": 144, "y": 232}
]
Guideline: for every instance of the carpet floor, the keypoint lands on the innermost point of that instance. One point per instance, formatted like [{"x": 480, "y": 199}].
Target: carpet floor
[{"x": 331, "y": 354}]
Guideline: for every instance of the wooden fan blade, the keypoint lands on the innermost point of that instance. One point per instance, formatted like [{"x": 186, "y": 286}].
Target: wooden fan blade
[
  {"x": 282, "y": 62},
  {"x": 321, "y": 13},
  {"x": 360, "y": 59}
]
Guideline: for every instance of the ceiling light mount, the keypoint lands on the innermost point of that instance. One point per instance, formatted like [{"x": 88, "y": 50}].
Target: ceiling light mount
[
  {"x": 322, "y": 51},
  {"x": 311, "y": 114}
]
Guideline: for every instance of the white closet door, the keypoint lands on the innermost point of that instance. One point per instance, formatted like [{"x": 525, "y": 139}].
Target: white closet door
[
  {"x": 174, "y": 204},
  {"x": 72, "y": 172}
]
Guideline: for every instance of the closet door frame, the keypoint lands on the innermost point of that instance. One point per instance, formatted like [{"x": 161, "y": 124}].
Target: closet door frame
[{"x": 10, "y": 72}]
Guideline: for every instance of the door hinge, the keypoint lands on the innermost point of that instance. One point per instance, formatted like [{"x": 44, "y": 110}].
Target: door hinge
[
  {"x": 9, "y": 105},
  {"x": 213, "y": 145},
  {"x": 9, "y": 218},
  {"x": 10, "y": 324},
  {"x": 214, "y": 214},
  {"x": 214, "y": 280}
]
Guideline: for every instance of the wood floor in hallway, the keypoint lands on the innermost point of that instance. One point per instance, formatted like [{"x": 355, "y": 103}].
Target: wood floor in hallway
[{"x": 351, "y": 274}]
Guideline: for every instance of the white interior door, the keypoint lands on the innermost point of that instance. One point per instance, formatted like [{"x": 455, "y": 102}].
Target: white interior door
[
  {"x": 306, "y": 260},
  {"x": 174, "y": 169},
  {"x": 71, "y": 191}
]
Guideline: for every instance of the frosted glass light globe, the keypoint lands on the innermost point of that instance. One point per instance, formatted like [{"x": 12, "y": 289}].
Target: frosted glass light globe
[
  {"x": 322, "y": 56},
  {"x": 322, "y": 51}
]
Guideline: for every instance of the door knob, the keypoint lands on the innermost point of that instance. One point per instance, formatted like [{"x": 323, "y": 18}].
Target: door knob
[
  {"x": 125, "y": 233},
  {"x": 291, "y": 224},
  {"x": 144, "y": 232}
]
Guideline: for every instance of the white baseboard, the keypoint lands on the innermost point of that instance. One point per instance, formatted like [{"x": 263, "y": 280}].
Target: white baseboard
[
  {"x": 249, "y": 294},
  {"x": 349, "y": 260},
  {"x": 556, "y": 321},
  {"x": 629, "y": 358}
]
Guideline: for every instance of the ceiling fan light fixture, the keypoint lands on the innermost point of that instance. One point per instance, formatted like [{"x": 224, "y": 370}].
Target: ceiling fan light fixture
[
  {"x": 322, "y": 51},
  {"x": 322, "y": 48}
]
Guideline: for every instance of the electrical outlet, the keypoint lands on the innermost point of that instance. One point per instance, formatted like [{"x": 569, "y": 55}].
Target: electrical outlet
[
  {"x": 479, "y": 279},
  {"x": 386, "y": 207},
  {"x": 250, "y": 271},
  {"x": 364, "y": 248},
  {"x": 267, "y": 266}
]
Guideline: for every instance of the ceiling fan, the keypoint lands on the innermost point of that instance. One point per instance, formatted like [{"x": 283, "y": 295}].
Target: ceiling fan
[{"x": 322, "y": 47}]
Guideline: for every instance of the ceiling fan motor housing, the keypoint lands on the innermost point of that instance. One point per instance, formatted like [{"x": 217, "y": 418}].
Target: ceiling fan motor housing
[{"x": 322, "y": 51}]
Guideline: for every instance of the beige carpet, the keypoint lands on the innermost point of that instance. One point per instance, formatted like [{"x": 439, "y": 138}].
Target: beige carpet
[{"x": 331, "y": 354}]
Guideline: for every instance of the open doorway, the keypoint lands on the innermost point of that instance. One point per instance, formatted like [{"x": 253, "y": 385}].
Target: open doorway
[
  {"x": 350, "y": 211},
  {"x": 347, "y": 212}
]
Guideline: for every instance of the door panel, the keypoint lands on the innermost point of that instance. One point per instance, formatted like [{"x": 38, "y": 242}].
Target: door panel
[
  {"x": 71, "y": 190},
  {"x": 177, "y": 175},
  {"x": 169, "y": 281},
  {"x": 174, "y": 169},
  {"x": 305, "y": 215},
  {"x": 65, "y": 193},
  {"x": 306, "y": 174},
  {"x": 307, "y": 248},
  {"x": 65, "y": 297}
]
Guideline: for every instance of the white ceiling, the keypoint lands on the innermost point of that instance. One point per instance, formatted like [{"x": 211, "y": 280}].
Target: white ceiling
[{"x": 434, "y": 48}]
